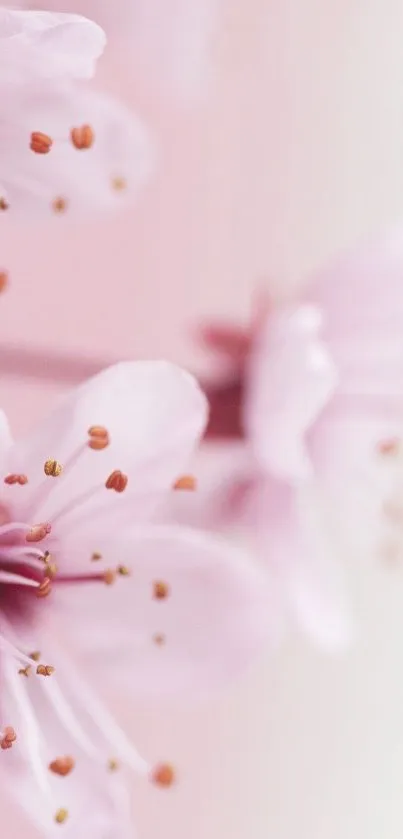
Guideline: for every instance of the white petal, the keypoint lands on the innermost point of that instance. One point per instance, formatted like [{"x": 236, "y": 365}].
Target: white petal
[
  {"x": 96, "y": 800},
  {"x": 167, "y": 44},
  {"x": 69, "y": 182},
  {"x": 291, "y": 379},
  {"x": 215, "y": 620},
  {"x": 154, "y": 413},
  {"x": 45, "y": 45}
]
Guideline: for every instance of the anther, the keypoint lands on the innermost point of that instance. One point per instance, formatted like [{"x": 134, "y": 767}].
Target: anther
[
  {"x": 8, "y": 738},
  {"x": 160, "y": 590},
  {"x": 109, "y": 576},
  {"x": 3, "y": 280},
  {"x": 38, "y": 532},
  {"x": 119, "y": 184},
  {"x": 389, "y": 447},
  {"x": 51, "y": 570},
  {"x": 163, "y": 775},
  {"x": 40, "y": 143},
  {"x": 96, "y": 556},
  {"x": 61, "y": 816},
  {"x": 4, "y": 205},
  {"x": 16, "y": 479},
  {"x": 113, "y": 765},
  {"x": 117, "y": 481},
  {"x": 82, "y": 137},
  {"x": 62, "y": 766},
  {"x": 45, "y": 670},
  {"x": 59, "y": 205},
  {"x": 159, "y": 639},
  {"x": 123, "y": 570},
  {"x": 98, "y": 437},
  {"x": 35, "y": 656},
  {"x": 44, "y": 588},
  {"x": 25, "y": 671},
  {"x": 185, "y": 482},
  {"x": 53, "y": 468}
]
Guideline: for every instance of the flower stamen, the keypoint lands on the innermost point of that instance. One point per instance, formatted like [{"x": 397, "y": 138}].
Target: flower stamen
[
  {"x": 62, "y": 766},
  {"x": 113, "y": 765},
  {"x": 109, "y": 576},
  {"x": 117, "y": 481},
  {"x": 38, "y": 532},
  {"x": 119, "y": 184},
  {"x": 40, "y": 143},
  {"x": 45, "y": 670},
  {"x": 35, "y": 656},
  {"x": 53, "y": 468},
  {"x": 3, "y": 280},
  {"x": 16, "y": 479},
  {"x": 160, "y": 590},
  {"x": 10, "y": 578},
  {"x": 61, "y": 816},
  {"x": 159, "y": 639},
  {"x": 51, "y": 570},
  {"x": 185, "y": 482},
  {"x": 98, "y": 437},
  {"x": 59, "y": 205},
  {"x": 82, "y": 137},
  {"x": 163, "y": 775},
  {"x": 44, "y": 588},
  {"x": 7, "y": 738},
  {"x": 389, "y": 447}
]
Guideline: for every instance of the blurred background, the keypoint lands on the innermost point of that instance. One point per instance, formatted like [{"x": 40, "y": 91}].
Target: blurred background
[{"x": 294, "y": 153}]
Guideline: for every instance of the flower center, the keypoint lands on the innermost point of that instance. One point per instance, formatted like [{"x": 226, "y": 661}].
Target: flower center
[{"x": 24, "y": 564}]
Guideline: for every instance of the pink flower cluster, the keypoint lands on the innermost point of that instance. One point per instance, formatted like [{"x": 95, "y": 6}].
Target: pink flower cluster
[
  {"x": 92, "y": 553},
  {"x": 85, "y": 560}
]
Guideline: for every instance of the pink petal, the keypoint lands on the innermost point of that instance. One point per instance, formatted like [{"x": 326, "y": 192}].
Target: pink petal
[
  {"x": 230, "y": 341},
  {"x": 96, "y": 799},
  {"x": 362, "y": 297},
  {"x": 291, "y": 378},
  {"x": 5, "y": 439},
  {"x": 317, "y": 586},
  {"x": 293, "y": 534},
  {"x": 45, "y": 45},
  {"x": 69, "y": 182},
  {"x": 167, "y": 42},
  {"x": 355, "y": 478},
  {"x": 213, "y": 621},
  {"x": 154, "y": 414}
]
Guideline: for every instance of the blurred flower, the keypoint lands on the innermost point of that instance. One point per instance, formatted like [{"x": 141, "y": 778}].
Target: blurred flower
[
  {"x": 281, "y": 378},
  {"x": 314, "y": 388},
  {"x": 155, "y": 610},
  {"x": 168, "y": 43},
  {"x": 64, "y": 149}
]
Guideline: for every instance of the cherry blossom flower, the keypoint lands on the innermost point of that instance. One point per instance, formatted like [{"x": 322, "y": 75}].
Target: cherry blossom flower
[
  {"x": 64, "y": 149},
  {"x": 158, "y": 610},
  {"x": 313, "y": 388}
]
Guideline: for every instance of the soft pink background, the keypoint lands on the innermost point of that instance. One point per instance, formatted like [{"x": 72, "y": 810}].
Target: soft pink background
[{"x": 297, "y": 152}]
